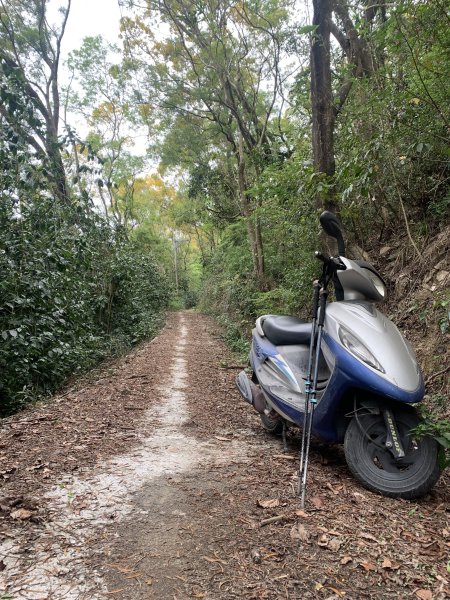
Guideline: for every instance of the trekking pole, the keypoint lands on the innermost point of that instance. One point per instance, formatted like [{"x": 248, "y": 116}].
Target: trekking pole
[
  {"x": 308, "y": 383},
  {"x": 313, "y": 394}
]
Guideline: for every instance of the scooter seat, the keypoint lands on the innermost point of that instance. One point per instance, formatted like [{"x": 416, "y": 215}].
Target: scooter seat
[{"x": 286, "y": 330}]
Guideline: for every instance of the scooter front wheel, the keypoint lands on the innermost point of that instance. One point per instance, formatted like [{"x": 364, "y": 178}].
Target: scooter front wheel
[
  {"x": 372, "y": 463},
  {"x": 272, "y": 425}
]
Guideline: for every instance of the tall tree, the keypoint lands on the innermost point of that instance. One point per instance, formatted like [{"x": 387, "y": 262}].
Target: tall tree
[
  {"x": 326, "y": 105},
  {"x": 101, "y": 93},
  {"x": 322, "y": 96},
  {"x": 221, "y": 65},
  {"x": 30, "y": 51}
]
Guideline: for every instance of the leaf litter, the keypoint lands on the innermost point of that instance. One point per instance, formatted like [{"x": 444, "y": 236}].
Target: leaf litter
[{"x": 155, "y": 476}]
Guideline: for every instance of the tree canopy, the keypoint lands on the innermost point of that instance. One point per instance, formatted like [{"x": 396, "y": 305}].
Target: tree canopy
[{"x": 213, "y": 133}]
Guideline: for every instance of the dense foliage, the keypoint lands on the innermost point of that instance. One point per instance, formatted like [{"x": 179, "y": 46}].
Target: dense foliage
[
  {"x": 72, "y": 288},
  {"x": 258, "y": 118},
  {"x": 389, "y": 172}
]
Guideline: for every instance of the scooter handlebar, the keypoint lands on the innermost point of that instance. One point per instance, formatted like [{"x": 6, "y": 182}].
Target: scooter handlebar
[
  {"x": 329, "y": 260},
  {"x": 321, "y": 257}
]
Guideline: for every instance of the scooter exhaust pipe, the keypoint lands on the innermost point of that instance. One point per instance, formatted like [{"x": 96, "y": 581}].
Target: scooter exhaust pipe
[{"x": 250, "y": 392}]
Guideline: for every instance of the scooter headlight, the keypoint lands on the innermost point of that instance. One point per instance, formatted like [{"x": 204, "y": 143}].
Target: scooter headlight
[{"x": 358, "y": 349}]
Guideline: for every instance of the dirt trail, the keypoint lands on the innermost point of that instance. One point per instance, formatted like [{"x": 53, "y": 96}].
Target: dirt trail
[{"x": 155, "y": 481}]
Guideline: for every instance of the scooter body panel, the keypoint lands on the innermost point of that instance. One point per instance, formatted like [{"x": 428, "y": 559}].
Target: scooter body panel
[
  {"x": 282, "y": 370},
  {"x": 282, "y": 374},
  {"x": 385, "y": 342}
]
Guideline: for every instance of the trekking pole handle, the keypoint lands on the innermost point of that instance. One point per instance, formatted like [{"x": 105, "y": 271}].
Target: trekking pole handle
[
  {"x": 321, "y": 257},
  {"x": 315, "y": 302},
  {"x": 322, "y": 304}
]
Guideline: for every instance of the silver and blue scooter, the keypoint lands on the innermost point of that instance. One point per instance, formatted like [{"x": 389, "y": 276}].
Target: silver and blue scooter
[{"x": 347, "y": 376}]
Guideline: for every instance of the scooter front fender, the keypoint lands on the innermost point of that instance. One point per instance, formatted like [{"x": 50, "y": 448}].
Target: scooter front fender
[
  {"x": 400, "y": 376},
  {"x": 352, "y": 373}
]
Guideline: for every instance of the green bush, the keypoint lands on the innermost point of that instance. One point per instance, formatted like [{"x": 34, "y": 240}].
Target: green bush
[
  {"x": 69, "y": 294},
  {"x": 440, "y": 431},
  {"x": 72, "y": 288}
]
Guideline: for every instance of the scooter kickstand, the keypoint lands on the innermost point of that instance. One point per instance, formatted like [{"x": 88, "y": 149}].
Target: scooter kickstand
[{"x": 283, "y": 437}]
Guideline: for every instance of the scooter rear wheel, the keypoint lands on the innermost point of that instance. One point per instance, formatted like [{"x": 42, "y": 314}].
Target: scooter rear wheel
[
  {"x": 274, "y": 426},
  {"x": 374, "y": 465}
]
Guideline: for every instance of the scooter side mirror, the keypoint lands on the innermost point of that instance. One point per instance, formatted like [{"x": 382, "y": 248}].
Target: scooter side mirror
[{"x": 330, "y": 224}]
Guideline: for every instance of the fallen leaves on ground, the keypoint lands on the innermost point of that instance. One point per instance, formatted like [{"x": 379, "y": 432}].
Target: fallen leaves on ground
[{"x": 344, "y": 533}]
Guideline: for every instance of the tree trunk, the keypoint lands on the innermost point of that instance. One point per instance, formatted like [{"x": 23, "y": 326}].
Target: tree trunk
[
  {"x": 253, "y": 227},
  {"x": 322, "y": 99}
]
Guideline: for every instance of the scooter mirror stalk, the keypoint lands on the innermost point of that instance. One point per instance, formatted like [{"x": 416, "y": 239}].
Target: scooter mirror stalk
[{"x": 330, "y": 224}]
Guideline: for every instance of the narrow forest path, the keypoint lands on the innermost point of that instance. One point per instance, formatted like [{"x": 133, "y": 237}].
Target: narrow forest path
[{"x": 155, "y": 481}]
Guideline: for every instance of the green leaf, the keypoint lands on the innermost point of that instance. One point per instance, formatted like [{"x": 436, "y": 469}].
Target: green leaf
[{"x": 306, "y": 29}]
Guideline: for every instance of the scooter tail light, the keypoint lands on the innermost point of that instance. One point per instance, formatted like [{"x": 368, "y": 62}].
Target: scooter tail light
[{"x": 357, "y": 348}]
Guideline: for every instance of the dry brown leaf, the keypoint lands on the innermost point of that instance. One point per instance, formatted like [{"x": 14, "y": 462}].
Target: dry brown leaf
[
  {"x": 334, "y": 544},
  {"x": 21, "y": 513},
  {"x": 368, "y": 536},
  {"x": 268, "y": 503},
  {"x": 323, "y": 541},
  {"x": 317, "y": 502},
  {"x": 299, "y": 532},
  {"x": 318, "y": 586},
  {"x": 359, "y": 497},
  {"x": 272, "y": 555},
  {"x": 368, "y": 566},
  {"x": 339, "y": 593},
  {"x": 424, "y": 594},
  {"x": 388, "y": 564},
  {"x": 336, "y": 489},
  {"x": 301, "y": 513},
  {"x": 345, "y": 560}
]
